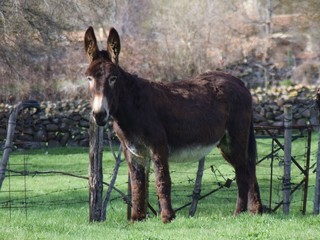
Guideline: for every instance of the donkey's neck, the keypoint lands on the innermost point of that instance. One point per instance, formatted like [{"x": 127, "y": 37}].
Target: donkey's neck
[{"x": 129, "y": 111}]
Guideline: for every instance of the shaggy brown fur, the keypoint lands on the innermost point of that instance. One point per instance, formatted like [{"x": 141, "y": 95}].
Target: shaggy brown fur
[{"x": 162, "y": 120}]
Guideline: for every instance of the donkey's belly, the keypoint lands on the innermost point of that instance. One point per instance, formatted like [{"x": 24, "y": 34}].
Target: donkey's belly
[{"x": 190, "y": 153}]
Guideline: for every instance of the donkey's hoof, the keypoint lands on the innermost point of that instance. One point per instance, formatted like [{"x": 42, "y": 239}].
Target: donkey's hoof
[
  {"x": 167, "y": 216},
  {"x": 257, "y": 209},
  {"x": 137, "y": 218}
]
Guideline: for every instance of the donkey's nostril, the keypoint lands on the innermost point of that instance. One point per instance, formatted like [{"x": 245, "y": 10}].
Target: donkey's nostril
[{"x": 100, "y": 117}]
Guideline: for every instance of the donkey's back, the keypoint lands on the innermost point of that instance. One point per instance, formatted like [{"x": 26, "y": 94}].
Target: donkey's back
[{"x": 200, "y": 110}]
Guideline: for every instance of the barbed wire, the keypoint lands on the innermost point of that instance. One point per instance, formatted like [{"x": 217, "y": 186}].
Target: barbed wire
[{"x": 181, "y": 187}]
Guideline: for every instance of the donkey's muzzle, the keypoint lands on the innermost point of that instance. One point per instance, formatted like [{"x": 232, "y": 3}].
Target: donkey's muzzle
[{"x": 101, "y": 118}]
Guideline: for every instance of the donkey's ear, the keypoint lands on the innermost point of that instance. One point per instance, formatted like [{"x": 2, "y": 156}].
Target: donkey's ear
[
  {"x": 113, "y": 45},
  {"x": 90, "y": 44}
]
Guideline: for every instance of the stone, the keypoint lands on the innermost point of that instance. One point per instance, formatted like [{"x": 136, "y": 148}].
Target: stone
[
  {"x": 64, "y": 127},
  {"x": 258, "y": 118},
  {"x": 301, "y": 122},
  {"x": 28, "y": 130},
  {"x": 51, "y": 135},
  {"x": 53, "y": 143},
  {"x": 72, "y": 143},
  {"x": 56, "y": 120},
  {"x": 84, "y": 142},
  {"x": 269, "y": 115},
  {"x": 84, "y": 123},
  {"x": 278, "y": 123},
  {"x": 52, "y": 127},
  {"x": 25, "y": 137},
  {"x": 76, "y": 117},
  {"x": 280, "y": 102},
  {"x": 64, "y": 139},
  {"x": 306, "y": 113},
  {"x": 41, "y": 135},
  {"x": 279, "y": 117},
  {"x": 293, "y": 94},
  {"x": 3, "y": 133},
  {"x": 32, "y": 145}
]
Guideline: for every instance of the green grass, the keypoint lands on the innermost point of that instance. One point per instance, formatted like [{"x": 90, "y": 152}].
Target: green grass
[
  {"x": 69, "y": 224},
  {"x": 58, "y": 208}
]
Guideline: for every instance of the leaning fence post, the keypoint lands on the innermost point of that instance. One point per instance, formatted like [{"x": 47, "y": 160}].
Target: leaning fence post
[
  {"x": 95, "y": 172},
  {"x": 10, "y": 134},
  {"x": 287, "y": 158},
  {"x": 113, "y": 179},
  {"x": 317, "y": 183},
  {"x": 197, "y": 188}
]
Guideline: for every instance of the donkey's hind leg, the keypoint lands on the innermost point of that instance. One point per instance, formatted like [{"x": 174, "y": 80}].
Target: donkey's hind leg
[
  {"x": 242, "y": 179},
  {"x": 234, "y": 153},
  {"x": 248, "y": 189},
  {"x": 254, "y": 200}
]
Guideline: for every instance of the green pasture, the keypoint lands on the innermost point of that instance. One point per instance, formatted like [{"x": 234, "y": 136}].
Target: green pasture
[{"x": 55, "y": 206}]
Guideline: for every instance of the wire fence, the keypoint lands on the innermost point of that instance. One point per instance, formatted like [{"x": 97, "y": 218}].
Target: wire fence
[{"x": 34, "y": 182}]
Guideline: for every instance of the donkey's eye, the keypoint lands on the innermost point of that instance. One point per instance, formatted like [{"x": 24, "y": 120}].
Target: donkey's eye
[
  {"x": 90, "y": 79},
  {"x": 112, "y": 80}
]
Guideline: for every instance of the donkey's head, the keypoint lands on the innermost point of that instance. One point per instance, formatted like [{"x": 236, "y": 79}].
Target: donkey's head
[{"x": 102, "y": 74}]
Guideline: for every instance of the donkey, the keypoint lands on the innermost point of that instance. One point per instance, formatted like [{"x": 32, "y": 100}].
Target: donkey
[{"x": 166, "y": 121}]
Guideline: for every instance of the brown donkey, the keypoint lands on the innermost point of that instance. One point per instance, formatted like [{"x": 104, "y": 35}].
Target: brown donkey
[{"x": 166, "y": 121}]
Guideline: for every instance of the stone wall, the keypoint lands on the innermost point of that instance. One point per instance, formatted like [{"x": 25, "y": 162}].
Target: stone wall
[
  {"x": 66, "y": 123},
  {"x": 63, "y": 123},
  {"x": 268, "y": 105}
]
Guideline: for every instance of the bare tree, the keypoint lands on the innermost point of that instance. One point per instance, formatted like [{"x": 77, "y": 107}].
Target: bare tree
[
  {"x": 33, "y": 42},
  {"x": 163, "y": 40}
]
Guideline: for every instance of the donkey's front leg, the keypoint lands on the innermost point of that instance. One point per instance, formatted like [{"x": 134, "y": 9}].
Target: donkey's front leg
[
  {"x": 139, "y": 191},
  {"x": 163, "y": 183}
]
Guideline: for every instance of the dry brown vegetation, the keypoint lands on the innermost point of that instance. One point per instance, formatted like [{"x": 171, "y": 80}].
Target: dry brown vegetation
[{"x": 42, "y": 56}]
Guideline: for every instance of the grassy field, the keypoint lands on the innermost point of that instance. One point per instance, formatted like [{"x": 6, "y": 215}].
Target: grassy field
[{"x": 55, "y": 206}]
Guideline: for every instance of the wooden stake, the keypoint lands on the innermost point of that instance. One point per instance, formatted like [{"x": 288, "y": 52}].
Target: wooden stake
[
  {"x": 197, "y": 188},
  {"x": 95, "y": 172}
]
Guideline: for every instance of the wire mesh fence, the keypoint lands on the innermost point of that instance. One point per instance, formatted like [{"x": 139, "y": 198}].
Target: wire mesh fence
[{"x": 49, "y": 178}]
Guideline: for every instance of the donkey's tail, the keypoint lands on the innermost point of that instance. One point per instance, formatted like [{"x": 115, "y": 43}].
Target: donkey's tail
[
  {"x": 252, "y": 148},
  {"x": 254, "y": 193}
]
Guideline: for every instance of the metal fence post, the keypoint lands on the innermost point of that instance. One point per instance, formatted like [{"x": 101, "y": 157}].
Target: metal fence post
[
  {"x": 317, "y": 183},
  {"x": 10, "y": 133},
  {"x": 287, "y": 158}
]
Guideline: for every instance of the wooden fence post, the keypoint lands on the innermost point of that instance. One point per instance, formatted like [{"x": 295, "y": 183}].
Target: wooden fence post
[
  {"x": 95, "y": 172},
  {"x": 316, "y": 202},
  {"x": 197, "y": 188},
  {"x": 287, "y": 158}
]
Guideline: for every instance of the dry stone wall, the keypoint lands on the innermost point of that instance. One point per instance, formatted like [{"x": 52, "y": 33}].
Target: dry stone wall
[
  {"x": 66, "y": 123},
  {"x": 63, "y": 123},
  {"x": 268, "y": 105}
]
